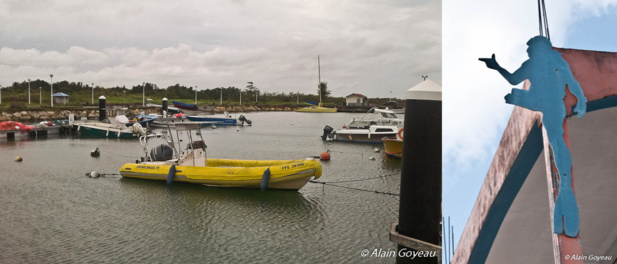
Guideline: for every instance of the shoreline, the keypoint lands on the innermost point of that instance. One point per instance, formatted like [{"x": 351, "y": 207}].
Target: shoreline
[{"x": 89, "y": 112}]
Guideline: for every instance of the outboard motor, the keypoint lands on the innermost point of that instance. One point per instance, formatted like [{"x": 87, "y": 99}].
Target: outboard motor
[
  {"x": 243, "y": 119},
  {"x": 326, "y": 132},
  {"x": 161, "y": 153}
]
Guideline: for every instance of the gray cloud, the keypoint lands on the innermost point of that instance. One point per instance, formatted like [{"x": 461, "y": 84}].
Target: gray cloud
[{"x": 369, "y": 47}]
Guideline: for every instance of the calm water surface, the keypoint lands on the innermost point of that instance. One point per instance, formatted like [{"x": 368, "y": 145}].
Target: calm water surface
[{"x": 51, "y": 213}]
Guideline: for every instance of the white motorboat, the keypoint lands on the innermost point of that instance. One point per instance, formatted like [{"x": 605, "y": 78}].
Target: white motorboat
[{"x": 371, "y": 128}]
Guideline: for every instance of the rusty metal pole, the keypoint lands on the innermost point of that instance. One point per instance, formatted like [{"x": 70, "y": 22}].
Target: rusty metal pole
[{"x": 418, "y": 230}]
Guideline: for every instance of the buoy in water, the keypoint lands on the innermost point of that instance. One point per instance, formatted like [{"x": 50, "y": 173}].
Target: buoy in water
[
  {"x": 371, "y": 158},
  {"x": 377, "y": 149},
  {"x": 95, "y": 153},
  {"x": 94, "y": 174},
  {"x": 325, "y": 155},
  {"x": 213, "y": 127},
  {"x": 18, "y": 158}
]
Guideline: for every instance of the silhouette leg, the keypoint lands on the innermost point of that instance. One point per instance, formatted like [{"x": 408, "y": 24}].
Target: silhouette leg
[{"x": 566, "y": 216}]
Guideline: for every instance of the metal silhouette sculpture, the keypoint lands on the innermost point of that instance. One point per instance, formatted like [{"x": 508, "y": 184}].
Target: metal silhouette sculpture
[{"x": 549, "y": 75}]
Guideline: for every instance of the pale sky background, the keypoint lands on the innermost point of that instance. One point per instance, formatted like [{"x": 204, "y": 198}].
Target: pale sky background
[
  {"x": 475, "y": 113},
  {"x": 369, "y": 47}
]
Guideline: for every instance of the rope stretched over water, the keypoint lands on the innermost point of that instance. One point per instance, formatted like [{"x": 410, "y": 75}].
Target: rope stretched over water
[
  {"x": 356, "y": 189},
  {"x": 365, "y": 179}
]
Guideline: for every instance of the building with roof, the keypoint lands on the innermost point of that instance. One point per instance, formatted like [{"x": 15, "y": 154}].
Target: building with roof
[
  {"x": 61, "y": 98},
  {"x": 355, "y": 100}
]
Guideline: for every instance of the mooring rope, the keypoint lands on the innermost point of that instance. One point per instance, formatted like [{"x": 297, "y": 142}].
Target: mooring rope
[
  {"x": 365, "y": 179},
  {"x": 95, "y": 174},
  {"x": 356, "y": 189}
]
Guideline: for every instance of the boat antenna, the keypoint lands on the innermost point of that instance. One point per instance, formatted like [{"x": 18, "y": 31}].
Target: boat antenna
[
  {"x": 424, "y": 77},
  {"x": 319, "y": 77}
]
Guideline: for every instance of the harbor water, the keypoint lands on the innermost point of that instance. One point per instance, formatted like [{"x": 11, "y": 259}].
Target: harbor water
[{"x": 50, "y": 212}]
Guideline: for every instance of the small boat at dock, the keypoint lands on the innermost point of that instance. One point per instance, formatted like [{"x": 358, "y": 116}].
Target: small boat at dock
[
  {"x": 219, "y": 121},
  {"x": 317, "y": 107},
  {"x": 393, "y": 146},
  {"x": 182, "y": 105},
  {"x": 116, "y": 129},
  {"x": 167, "y": 162},
  {"x": 371, "y": 128}
]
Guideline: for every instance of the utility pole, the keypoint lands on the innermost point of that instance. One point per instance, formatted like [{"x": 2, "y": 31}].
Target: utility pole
[
  {"x": 52, "y": 89},
  {"x": 28, "y": 91}
]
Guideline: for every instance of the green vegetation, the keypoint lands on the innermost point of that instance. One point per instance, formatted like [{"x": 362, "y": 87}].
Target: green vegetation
[
  {"x": 80, "y": 94},
  {"x": 322, "y": 89}
]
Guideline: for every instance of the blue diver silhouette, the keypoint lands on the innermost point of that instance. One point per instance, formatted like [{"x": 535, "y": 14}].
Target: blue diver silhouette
[{"x": 549, "y": 75}]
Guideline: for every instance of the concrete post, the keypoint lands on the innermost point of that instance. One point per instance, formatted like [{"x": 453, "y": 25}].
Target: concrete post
[
  {"x": 165, "y": 107},
  {"x": 102, "y": 109}
]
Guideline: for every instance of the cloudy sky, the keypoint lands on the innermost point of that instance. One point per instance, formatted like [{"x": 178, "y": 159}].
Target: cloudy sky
[
  {"x": 369, "y": 47},
  {"x": 475, "y": 113}
]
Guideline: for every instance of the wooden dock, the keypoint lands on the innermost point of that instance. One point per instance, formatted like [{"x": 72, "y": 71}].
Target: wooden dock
[{"x": 34, "y": 133}]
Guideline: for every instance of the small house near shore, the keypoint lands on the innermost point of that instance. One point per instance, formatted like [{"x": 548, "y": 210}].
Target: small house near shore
[
  {"x": 61, "y": 98},
  {"x": 355, "y": 100}
]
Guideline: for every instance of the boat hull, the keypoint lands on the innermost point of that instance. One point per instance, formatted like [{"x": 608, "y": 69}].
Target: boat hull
[
  {"x": 219, "y": 121},
  {"x": 284, "y": 174},
  {"x": 316, "y": 109},
  {"x": 185, "y": 106},
  {"x": 94, "y": 131},
  {"x": 361, "y": 137},
  {"x": 393, "y": 147}
]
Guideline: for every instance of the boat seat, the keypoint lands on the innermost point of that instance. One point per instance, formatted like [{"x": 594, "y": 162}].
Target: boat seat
[{"x": 197, "y": 144}]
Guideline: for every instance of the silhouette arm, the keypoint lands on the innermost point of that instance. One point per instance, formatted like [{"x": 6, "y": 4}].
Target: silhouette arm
[
  {"x": 576, "y": 89},
  {"x": 513, "y": 78}
]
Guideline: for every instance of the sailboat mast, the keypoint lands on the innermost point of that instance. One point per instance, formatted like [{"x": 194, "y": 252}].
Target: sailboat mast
[{"x": 319, "y": 83}]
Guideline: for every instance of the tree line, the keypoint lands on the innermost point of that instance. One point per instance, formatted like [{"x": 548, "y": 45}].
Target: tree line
[{"x": 82, "y": 91}]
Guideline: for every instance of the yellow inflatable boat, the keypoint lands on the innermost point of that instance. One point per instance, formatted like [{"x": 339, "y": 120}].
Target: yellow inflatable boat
[
  {"x": 192, "y": 166},
  {"x": 284, "y": 174}
]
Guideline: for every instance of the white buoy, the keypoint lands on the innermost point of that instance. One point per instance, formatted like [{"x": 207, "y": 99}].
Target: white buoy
[
  {"x": 213, "y": 127},
  {"x": 376, "y": 149},
  {"x": 94, "y": 174},
  {"x": 371, "y": 158}
]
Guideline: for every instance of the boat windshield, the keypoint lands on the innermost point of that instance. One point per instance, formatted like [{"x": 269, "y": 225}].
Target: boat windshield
[{"x": 388, "y": 115}]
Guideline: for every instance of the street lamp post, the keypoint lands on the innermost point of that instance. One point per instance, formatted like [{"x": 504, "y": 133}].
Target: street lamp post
[
  {"x": 124, "y": 102},
  {"x": 221, "y": 103},
  {"x": 28, "y": 91},
  {"x": 195, "y": 94},
  {"x": 92, "y": 93},
  {"x": 52, "y": 89},
  {"x": 40, "y": 95},
  {"x": 143, "y": 97}
]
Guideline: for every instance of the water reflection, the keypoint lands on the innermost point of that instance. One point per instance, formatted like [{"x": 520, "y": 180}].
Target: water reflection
[{"x": 52, "y": 213}]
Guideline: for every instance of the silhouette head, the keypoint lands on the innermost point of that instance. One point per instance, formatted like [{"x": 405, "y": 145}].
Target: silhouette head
[{"x": 538, "y": 44}]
